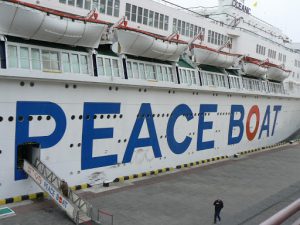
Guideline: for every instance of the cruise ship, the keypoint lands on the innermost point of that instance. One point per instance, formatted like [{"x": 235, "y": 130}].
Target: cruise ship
[{"x": 111, "y": 88}]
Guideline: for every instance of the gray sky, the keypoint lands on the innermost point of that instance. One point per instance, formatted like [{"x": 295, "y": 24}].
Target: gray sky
[{"x": 283, "y": 14}]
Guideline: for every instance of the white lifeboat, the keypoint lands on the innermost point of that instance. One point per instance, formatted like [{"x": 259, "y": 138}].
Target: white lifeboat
[
  {"x": 137, "y": 42},
  {"x": 30, "y": 21},
  {"x": 276, "y": 72},
  {"x": 209, "y": 56},
  {"x": 254, "y": 67}
]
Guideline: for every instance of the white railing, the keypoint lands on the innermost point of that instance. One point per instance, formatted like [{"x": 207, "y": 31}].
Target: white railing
[{"x": 214, "y": 79}]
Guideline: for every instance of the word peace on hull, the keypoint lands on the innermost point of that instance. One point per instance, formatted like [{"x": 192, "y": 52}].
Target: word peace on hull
[{"x": 30, "y": 21}]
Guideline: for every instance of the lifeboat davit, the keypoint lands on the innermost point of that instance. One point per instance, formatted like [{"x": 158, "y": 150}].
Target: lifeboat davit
[
  {"x": 209, "y": 56},
  {"x": 30, "y": 21},
  {"x": 137, "y": 42},
  {"x": 254, "y": 67},
  {"x": 276, "y": 73}
]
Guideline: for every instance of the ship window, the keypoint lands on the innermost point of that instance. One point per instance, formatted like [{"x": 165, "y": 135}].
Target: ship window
[
  {"x": 161, "y": 21},
  {"x": 140, "y": 15},
  {"x": 96, "y": 4},
  {"x": 174, "y": 25},
  {"x": 75, "y": 63},
  {"x": 109, "y": 7},
  {"x": 189, "y": 78},
  {"x": 129, "y": 69},
  {"x": 151, "y": 18},
  {"x": 142, "y": 71},
  {"x": 12, "y": 56},
  {"x": 179, "y": 26},
  {"x": 71, "y": 2},
  {"x": 165, "y": 73},
  {"x": 170, "y": 74},
  {"x": 135, "y": 70},
  {"x": 145, "y": 20},
  {"x": 133, "y": 15},
  {"x": 194, "y": 77},
  {"x": 183, "y": 28},
  {"x": 66, "y": 64},
  {"x": 166, "y": 26},
  {"x": 108, "y": 70},
  {"x": 84, "y": 64},
  {"x": 62, "y": 1},
  {"x": 156, "y": 20},
  {"x": 116, "y": 69},
  {"x": 184, "y": 76},
  {"x": 159, "y": 73},
  {"x": 127, "y": 12},
  {"x": 79, "y": 3},
  {"x": 102, "y": 6},
  {"x": 187, "y": 29},
  {"x": 87, "y": 4},
  {"x": 50, "y": 61},
  {"x": 100, "y": 66},
  {"x": 35, "y": 59},
  {"x": 117, "y": 8},
  {"x": 209, "y": 36},
  {"x": 150, "y": 72},
  {"x": 24, "y": 58}
]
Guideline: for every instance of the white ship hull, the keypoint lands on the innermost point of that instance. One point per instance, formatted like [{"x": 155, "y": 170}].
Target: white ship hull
[{"x": 135, "y": 131}]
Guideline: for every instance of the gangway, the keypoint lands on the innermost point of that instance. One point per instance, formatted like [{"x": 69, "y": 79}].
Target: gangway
[{"x": 79, "y": 210}]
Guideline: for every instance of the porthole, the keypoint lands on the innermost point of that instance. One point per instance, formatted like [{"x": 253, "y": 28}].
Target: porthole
[
  {"x": 39, "y": 118},
  {"x": 31, "y": 84},
  {"x": 66, "y": 86},
  {"x": 108, "y": 116},
  {"x": 21, "y": 118},
  {"x": 88, "y": 117},
  {"x": 30, "y": 118},
  {"x": 22, "y": 83},
  {"x": 74, "y": 86},
  {"x": 95, "y": 117},
  {"x": 121, "y": 116},
  {"x": 11, "y": 118},
  {"x": 101, "y": 116},
  {"x": 71, "y": 145},
  {"x": 48, "y": 117},
  {"x": 80, "y": 117},
  {"x": 72, "y": 117},
  {"x": 79, "y": 144}
]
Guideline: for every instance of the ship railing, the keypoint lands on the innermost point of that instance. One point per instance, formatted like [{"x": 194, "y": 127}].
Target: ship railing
[
  {"x": 235, "y": 82},
  {"x": 214, "y": 79}
]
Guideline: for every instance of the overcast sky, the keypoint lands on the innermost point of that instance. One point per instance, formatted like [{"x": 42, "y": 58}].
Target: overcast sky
[{"x": 284, "y": 14}]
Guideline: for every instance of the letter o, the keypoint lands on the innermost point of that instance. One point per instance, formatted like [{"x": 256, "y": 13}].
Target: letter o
[{"x": 253, "y": 111}]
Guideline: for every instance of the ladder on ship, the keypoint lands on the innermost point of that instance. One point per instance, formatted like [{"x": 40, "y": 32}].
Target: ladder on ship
[{"x": 79, "y": 210}]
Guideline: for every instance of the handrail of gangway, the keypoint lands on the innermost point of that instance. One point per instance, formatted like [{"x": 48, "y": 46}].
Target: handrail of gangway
[{"x": 283, "y": 214}]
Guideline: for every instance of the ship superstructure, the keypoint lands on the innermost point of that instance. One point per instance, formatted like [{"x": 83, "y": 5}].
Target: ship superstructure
[{"x": 111, "y": 88}]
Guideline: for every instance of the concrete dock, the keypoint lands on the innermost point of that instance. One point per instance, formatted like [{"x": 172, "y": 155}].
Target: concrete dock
[{"x": 253, "y": 187}]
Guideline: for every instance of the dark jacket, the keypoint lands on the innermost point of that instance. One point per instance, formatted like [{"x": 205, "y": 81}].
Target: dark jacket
[{"x": 218, "y": 204}]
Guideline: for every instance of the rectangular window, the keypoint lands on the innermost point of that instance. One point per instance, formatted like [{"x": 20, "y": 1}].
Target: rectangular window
[
  {"x": 79, "y": 3},
  {"x": 116, "y": 69},
  {"x": 62, "y": 1},
  {"x": 174, "y": 25},
  {"x": 12, "y": 56},
  {"x": 156, "y": 20},
  {"x": 96, "y": 4},
  {"x": 102, "y": 6},
  {"x": 66, "y": 64},
  {"x": 109, "y": 7},
  {"x": 142, "y": 71},
  {"x": 140, "y": 15},
  {"x": 159, "y": 73},
  {"x": 75, "y": 63},
  {"x": 166, "y": 26},
  {"x": 219, "y": 39},
  {"x": 170, "y": 75},
  {"x": 212, "y": 37},
  {"x": 87, "y": 4},
  {"x": 50, "y": 61},
  {"x": 129, "y": 69},
  {"x": 35, "y": 59},
  {"x": 165, "y": 73},
  {"x": 128, "y": 10},
  {"x": 161, "y": 21},
  {"x": 151, "y": 18},
  {"x": 24, "y": 58},
  {"x": 192, "y": 30},
  {"x": 179, "y": 26},
  {"x": 145, "y": 20},
  {"x": 187, "y": 30},
  {"x": 71, "y": 2},
  {"x": 209, "y": 36},
  {"x": 100, "y": 66},
  {"x": 150, "y": 72},
  {"x": 135, "y": 70},
  {"x": 133, "y": 13},
  {"x": 117, "y": 8},
  {"x": 84, "y": 64},
  {"x": 108, "y": 70},
  {"x": 183, "y": 28}
]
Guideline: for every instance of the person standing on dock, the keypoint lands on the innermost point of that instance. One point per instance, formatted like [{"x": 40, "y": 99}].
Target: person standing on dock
[{"x": 218, "y": 207}]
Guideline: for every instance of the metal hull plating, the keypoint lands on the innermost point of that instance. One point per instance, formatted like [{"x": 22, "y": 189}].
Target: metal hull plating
[{"x": 143, "y": 134}]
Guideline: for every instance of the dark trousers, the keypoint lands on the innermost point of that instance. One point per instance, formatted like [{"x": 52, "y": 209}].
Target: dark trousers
[{"x": 217, "y": 215}]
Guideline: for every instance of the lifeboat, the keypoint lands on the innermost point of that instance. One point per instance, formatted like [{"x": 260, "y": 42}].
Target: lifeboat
[
  {"x": 254, "y": 67},
  {"x": 209, "y": 56},
  {"x": 276, "y": 73},
  {"x": 131, "y": 41},
  {"x": 30, "y": 21}
]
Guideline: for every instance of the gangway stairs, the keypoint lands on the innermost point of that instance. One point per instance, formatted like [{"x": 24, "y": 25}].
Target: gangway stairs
[{"x": 80, "y": 211}]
